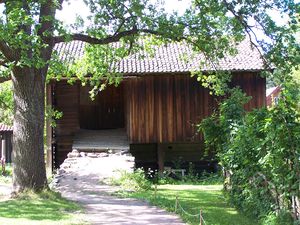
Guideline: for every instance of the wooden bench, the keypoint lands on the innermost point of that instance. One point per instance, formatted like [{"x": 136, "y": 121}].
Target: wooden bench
[{"x": 169, "y": 171}]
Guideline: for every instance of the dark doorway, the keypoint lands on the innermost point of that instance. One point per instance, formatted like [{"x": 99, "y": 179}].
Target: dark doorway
[{"x": 105, "y": 112}]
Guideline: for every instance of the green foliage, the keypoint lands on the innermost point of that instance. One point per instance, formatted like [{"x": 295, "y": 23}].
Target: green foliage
[
  {"x": 222, "y": 125},
  {"x": 296, "y": 76},
  {"x": 259, "y": 152},
  {"x": 52, "y": 115},
  {"x": 6, "y": 103},
  {"x": 283, "y": 218},
  {"x": 132, "y": 181},
  {"x": 216, "y": 82}
]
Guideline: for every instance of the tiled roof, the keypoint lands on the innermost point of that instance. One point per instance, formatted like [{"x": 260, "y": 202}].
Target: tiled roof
[
  {"x": 5, "y": 128},
  {"x": 173, "y": 57}
]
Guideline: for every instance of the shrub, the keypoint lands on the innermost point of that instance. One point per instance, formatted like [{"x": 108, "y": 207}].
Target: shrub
[
  {"x": 282, "y": 218},
  {"x": 259, "y": 152},
  {"x": 132, "y": 181}
]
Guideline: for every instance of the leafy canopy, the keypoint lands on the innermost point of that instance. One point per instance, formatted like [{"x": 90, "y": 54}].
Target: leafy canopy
[{"x": 29, "y": 31}]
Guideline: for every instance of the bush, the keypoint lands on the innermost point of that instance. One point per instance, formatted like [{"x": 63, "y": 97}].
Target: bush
[
  {"x": 132, "y": 181},
  {"x": 282, "y": 218},
  {"x": 259, "y": 152}
]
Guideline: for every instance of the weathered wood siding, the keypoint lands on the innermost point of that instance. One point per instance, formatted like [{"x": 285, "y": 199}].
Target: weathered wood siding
[
  {"x": 66, "y": 100},
  {"x": 165, "y": 109}
]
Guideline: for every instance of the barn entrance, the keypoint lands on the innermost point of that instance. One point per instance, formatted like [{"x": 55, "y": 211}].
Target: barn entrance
[
  {"x": 102, "y": 123},
  {"x": 106, "y": 111}
]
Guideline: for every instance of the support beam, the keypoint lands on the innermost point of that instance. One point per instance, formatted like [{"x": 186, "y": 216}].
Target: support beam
[
  {"x": 160, "y": 158},
  {"x": 3, "y": 156},
  {"x": 3, "y": 149},
  {"x": 49, "y": 155}
]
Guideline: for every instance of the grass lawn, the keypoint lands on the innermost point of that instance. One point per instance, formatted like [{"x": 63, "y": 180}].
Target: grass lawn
[
  {"x": 209, "y": 198},
  {"x": 45, "y": 208}
]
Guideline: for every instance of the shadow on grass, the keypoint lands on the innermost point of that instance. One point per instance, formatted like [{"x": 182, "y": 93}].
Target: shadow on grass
[{"x": 43, "y": 206}]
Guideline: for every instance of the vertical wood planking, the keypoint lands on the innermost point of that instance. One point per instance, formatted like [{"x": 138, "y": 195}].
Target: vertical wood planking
[{"x": 163, "y": 109}]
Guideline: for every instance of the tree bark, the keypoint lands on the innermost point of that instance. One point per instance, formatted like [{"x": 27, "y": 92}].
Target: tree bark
[{"x": 28, "y": 142}]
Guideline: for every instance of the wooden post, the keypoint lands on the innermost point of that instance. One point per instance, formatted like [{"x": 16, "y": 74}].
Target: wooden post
[
  {"x": 3, "y": 151},
  {"x": 155, "y": 192},
  {"x": 200, "y": 215},
  {"x": 3, "y": 155},
  {"x": 49, "y": 157},
  {"x": 176, "y": 203},
  {"x": 160, "y": 158}
]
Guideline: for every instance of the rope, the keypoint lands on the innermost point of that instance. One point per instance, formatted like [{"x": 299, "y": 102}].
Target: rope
[
  {"x": 201, "y": 217},
  {"x": 192, "y": 215},
  {"x": 198, "y": 215}
]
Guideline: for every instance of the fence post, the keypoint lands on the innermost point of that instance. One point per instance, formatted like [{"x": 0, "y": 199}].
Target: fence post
[
  {"x": 155, "y": 192},
  {"x": 176, "y": 204},
  {"x": 200, "y": 215},
  {"x": 3, "y": 155}
]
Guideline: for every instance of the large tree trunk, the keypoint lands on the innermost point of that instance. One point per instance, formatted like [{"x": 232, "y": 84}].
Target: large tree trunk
[{"x": 28, "y": 145}]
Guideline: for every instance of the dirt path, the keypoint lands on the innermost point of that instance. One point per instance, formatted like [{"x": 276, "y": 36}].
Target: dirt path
[
  {"x": 80, "y": 182},
  {"x": 5, "y": 190}
]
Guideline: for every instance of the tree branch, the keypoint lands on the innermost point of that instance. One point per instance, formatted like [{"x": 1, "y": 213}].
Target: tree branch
[
  {"x": 7, "y": 51},
  {"x": 248, "y": 29},
  {"x": 106, "y": 40},
  {"x": 47, "y": 10}
]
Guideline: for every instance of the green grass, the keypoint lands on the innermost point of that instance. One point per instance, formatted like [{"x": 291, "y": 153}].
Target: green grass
[
  {"x": 209, "y": 198},
  {"x": 45, "y": 208}
]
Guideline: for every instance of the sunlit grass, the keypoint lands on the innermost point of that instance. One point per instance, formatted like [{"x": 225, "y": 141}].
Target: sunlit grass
[
  {"x": 193, "y": 198},
  {"x": 45, "y": 208}
]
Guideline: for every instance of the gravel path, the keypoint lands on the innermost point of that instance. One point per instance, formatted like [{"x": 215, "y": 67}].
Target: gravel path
[{"x": 80, "y": 182}]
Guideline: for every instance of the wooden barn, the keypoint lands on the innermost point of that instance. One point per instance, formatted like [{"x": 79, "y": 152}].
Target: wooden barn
[{"x": 153, "y": 112}]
